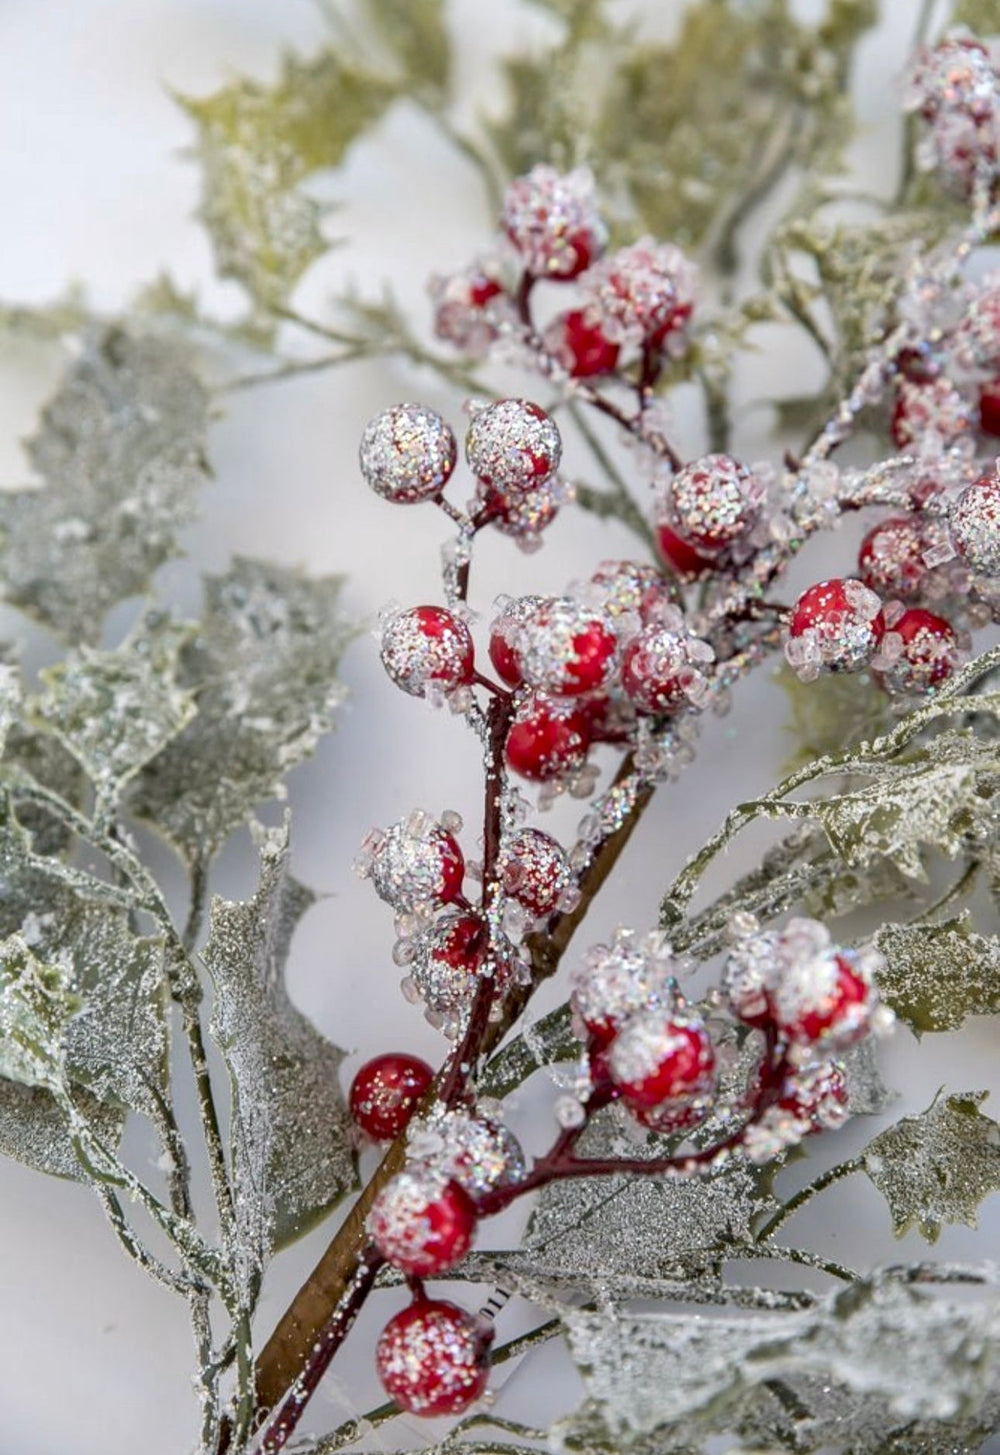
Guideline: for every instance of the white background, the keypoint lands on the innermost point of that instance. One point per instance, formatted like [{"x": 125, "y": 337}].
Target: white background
[{"x": 94, "y": 1359}]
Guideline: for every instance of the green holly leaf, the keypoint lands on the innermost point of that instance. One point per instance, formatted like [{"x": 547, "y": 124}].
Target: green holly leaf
[
  {"x": 34, "y": 1129},
  {"x": 257, "y": 144},
  {"x": 37, "y": 1002},
  {"x": 114, "y": 711},
  {"x": 981, "y": 16},
  {"x": 936, "y": 1168},
  {"x": 261, "y": 667},
  {"x": 292, "y": 1151},
  {"x": 416, "y": 35},
  {"x": 936, "y": 976},
  {"x": 833, "y": 713},
  {"x": 120, "y": 449},
  {"x": 549, "y": 1040}
]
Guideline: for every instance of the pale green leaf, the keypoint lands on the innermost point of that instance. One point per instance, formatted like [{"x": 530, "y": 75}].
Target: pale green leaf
[
  {"x": 257, "y": 143},
  {"x": 120, "y": 449},
  {"x": 935, "y": 976},
  {"x": 835, "y": 712},
  {"x": 936, "y": 1168},
  {"x": 114, "y": 711},
  {"x": 262, "y": 668},
  {"x": 981, "y": 16},
  {"x": 34, "y": 1128},
  {"x": 416, "y": 34},
  {"x": 292, "y": 1150},
  {"x": 37, "y": 1001}
]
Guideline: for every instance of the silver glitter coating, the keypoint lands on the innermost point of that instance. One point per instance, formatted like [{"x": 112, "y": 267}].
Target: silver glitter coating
[
  {"x": 891, "y": 560},
  {"x": 620, "y": 586},
  {"x": 918, "y": 653},
  {"x": 646, "y": 1044},
  {"x": 477, "y": 1152},
  {"x": 553, "y": 221},
  {"x": 835, "y": 624},
  {"x": 471, "y": 307},
  {"x": 953, "y": 87},
  {"x": 750, "y": 975},
  {"x": 407, "y": 454},
  {"x": 812, "y": 987},
  {"x": 619, "y": 980},
  {"x": 535, "y": 871},
  {"x": 444, "y": 964},
  {"x": 974, "y": 519},
  {"x": 712, "y": 503},
  {"x": 641, "y": 293},
  {"x": 661, "y": 670},
  {"x": 931, "y": 411},
  {"x": 566, "y": 647},
  {"x": 512, "y": 446},
  {"x": 413, "y": 863},
  {"x": 974, "y": 348},
  {"x": 523, "y": 517},
  {"x": 426, "y": 647}
]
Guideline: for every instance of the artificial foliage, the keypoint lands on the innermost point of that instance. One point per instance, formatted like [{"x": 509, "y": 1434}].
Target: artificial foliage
[{"x": 624, "y": 171}]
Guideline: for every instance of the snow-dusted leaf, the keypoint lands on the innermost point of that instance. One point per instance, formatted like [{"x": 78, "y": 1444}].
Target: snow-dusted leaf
[
  {"x": 43, "y": 758},
  {"x": 935, "y": 976},
  {"x": 936, "y": 1168},
  {"x": 919, "y": 1356},
  {"x": 262, "y": 669},
  {"x": 37, "y": 1002},
  {"x": 832, "y": 713},
  {"x": 114, "y": 711},
  {"x": 34, "y": 1129},
  {"x": 257, "y": 143},
  {"x": 291, "y": 1136},
  {"x": 944, "y": 796},
  {"x": 867, "y": 1092},
  {"x": 415, "y": 33},
  {"x": 120, "y": 449}
]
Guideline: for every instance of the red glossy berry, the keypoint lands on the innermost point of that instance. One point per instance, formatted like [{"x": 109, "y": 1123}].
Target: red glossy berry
[
  {"x": 425, "y": 648},
  {"x": 535, "y": 872},
  {"x": 548, "y": 738},
  {"x": 989, "y": 408},
  {"x": 656, "y": 672},
  {"x": 422, "y": 1221},
  {"x": 566, "y": 648},
  {"x": 446, "y": 961},
  {"x": 712, "y": 503},
  {"x": 385, "y": 1092},
  {"x": 580, "y": 345},
  {"x": 433, "y": 1358},
  {"x": 827, "y": 998},
  {"x": 835, "y": 624},
  {"x": 553, "y": 222},
  {"x": 891, "y": 558},
  {"x": 681, "y": 557},
  {"x": 974, "y": 519},
  {"x": 503, "y": 635},
  {"x": 817, "y": 1095},
  {"x": 919, "y": 652},
  {"x": 413, "y": 863},
  {"x": 657, "y": 1059},
  {"x": 512, "y": 446}
]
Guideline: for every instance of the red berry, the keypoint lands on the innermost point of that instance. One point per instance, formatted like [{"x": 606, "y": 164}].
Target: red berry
[
  {"x": 712, "y": 503},
  {"x": 825, "y": 998},
  {"x": 566, "y": 648},
  {"x": 422, "y": 1221},
  {"x": 918, "y": 652},
  {"x": 385, "y": 1091},
  {"x": 891, "y": 558},
  {"x": 623, "y": 586},
  {"x": 427, "y": 647},
  {"x": 975, "y": 524},
  {"x": 524, "y": 516},
  {"x": 547, "y": 739},
  {"x": 580, "y": 346},
  {"x": 414, "y": 863},
  {"x": 446, "y": 961},
  {"x": 503, "y": 635},
  {"x": 817, "y": 1095},
  {"x": 642, "y": 295},
  {"x": 681, "y": 557},
  {"x": 615, "y": 983},
  {"x": 835, "y": 624},
  {"x": 656, "y": 672},
  {"x": 535, "y": 872},
  {"x": 656, "y": 1058},
  {"x": 989, "y": 408},
  {"x": 931, "y": 407},
  {"x": 553, "y": 222},
  {"x": 407, "y": 454},
  {"x": 433, "y": 1358},
  {"x": 512, "y": 446}
]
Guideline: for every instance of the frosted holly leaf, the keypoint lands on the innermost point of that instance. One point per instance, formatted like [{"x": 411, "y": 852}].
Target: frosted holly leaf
[
  {"x": 415, "y": 33},
  {"x": 261, "y": 668},
  {"x": 936, "y": 1168},
  {"x": 120, "y": 449},
  {"x": 257, "y": 144},
  {"x": 918, "y": 1357},
  {"x": 291, "y": 1135},
  {"x": 936, "y": 976},
  {"x": 867, "y": 1092},
  {"x": 43, "y": 758},
  {"x": 34, "y": 1130},
  {"x": 835, "y": 712},
  {"x": 678, "y": 1227},
  {"x": 944, "y": 797},
  {"x": 37, "y": 1001},
  {"x": 114, "y": 711}
]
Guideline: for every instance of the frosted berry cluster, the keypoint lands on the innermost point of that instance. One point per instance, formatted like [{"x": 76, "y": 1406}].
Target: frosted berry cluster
[{"x": 953, "y": 88}]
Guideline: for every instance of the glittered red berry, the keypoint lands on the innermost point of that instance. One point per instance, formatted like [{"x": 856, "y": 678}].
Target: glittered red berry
[
  {"x": 503, "y": 635},
  {"x": 658, "y": 673},
  {"x": 535, "y": 872},
  {"x": 422, "y": 1222},
  {"x": 835, "y": 624},
  {"x": 553, "y": 222},
  {"x": 681, "y": 557},
  {"x": 407, "y": 454},
  {"x": 657, "y": 1059},
  {"x": 445, "y": 963},
  {"x": 825, "y": 998},
  {"x": 512, "y": 446},
  {"x": 974, "y": 519},
  {"x": 918, "y": 652},
  {"x": 932, "y": 407},
  {"x": 989, "y": 408},
  {"x": 712, "y": 503},
  {"x": 427, "y": 648},
  {"x": 615, "y": 983},
  {"x": 524, "y": 516},
  {"x": 817, "y": 1096},
  {"x": 622, "y": 586},
  {"x": 433, "y": 1358},
  {"x": 566, "y": 648},
  {"x": 548, "y": 738},
  {"x": 413, "y": 863},
  {"x": 642, "y": 295},
  {"x": 385, "y": 1092},
  {"x": 891, "y": 557},
  {"x": 580, "y": 345}
]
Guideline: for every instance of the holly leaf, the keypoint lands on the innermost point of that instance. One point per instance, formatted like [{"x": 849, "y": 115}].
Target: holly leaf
[
  {"x": 936, "y": 1168},
  {"x": 114, "y": 711},
  {"x": 291, "y": 1135},
  {"x": 416, "y": 34},
  {"x": 37, "y": 1002},
  {"x": 261, "y": 668},
  {"x": 549, "y": 1040},
  {"x": 936, "y": 976},
  {"x": 120, "y": 449},
  {"x": 981, "y": 16},
  {"x": 257, "y": 144},
  {"x": 831, "y": 714},
  {"x": 34, "y": 1129}
]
